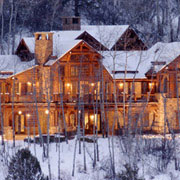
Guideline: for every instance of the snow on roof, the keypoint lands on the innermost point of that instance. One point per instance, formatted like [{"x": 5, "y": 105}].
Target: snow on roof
[
  {"x": 140, "y": 61},
  {"x": 107, "y": 35},
  {"x": 62, "y": 40},
  {"x": 126, "y": 60},
  {"x": 12, "y": 63},
  {"x": 66, "y": 35},
  {"x": 60, "y": 48},
  {"x": 164, "y": 52},
  {"x": 30, "y": 42}
]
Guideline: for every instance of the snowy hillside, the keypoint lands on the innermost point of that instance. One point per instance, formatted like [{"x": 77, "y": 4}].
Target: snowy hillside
[{"x": 148, "y": 162}]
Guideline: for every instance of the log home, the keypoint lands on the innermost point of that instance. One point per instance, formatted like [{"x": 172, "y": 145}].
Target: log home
[{"x": 65, "y": 79}]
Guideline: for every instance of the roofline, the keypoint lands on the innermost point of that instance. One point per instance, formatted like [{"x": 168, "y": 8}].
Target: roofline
[
  {"x": 80, "y": 41},
  {"x": 22, "y": 40},
  {"x": 22, "y": 71},
  {"x": 91, "y": 37},
  {"x": 168, "y": 64},
  {"x": 134, "y": 79}
]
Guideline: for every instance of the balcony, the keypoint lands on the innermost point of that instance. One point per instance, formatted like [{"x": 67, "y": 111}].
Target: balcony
[
  {"x": 68, "y": 98},
  {"x": 108, "y": 98}
]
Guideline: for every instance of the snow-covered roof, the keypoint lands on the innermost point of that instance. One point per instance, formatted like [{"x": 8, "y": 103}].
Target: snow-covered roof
[
  {"x": 13, "y": 64},
  {"x": 126, "y": 60},
  {"x": 60, "y": 48},
  {"x": 107, "y": 35},
  {"x": 137, "y": 63},
  {"x": 30, "y": 42},
  {"x": 66, "y": 35}
]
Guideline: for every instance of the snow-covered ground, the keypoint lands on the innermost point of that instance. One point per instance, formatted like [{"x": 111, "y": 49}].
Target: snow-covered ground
[{"x": 147, "y": 163}]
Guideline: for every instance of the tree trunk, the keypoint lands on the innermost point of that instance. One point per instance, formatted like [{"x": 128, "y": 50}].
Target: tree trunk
[{"x": 10, "y": 25}]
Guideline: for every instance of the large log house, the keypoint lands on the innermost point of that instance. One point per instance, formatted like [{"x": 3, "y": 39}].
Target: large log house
[{"x": 71, "y": 77}]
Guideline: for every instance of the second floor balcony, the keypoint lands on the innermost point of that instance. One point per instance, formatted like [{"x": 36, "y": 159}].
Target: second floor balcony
[{"x": 83, "y": 98}]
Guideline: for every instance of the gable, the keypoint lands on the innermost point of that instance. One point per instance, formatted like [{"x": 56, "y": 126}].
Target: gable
[
  {"x": 129, "y": 41},
  {"x": 107, "y": 35},
  {"x": 23, "y": 51},
  {"x": 81, "y": 57},
  {"x": 92, "y": 41}
]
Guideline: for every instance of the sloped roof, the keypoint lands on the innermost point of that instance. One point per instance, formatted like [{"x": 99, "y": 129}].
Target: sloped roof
[
  {"x": 108, "y": 35},
  {"x": 140, "y": 61},
  {"x": 60, "y": 48},
  {"x": 30, "y": 42},
  {"x": 13, "y": 64}
]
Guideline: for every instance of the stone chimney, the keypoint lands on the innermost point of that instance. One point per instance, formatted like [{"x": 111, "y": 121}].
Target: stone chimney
[
  {"x": 43, "y": 46},
  {"x": 71, "y": 23}
]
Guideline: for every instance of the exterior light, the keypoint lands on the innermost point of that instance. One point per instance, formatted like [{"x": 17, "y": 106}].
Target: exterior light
[
  {"x": 47, "y": 111},
  {"x": 79, "y": 111},
  {"x": 12, "y": 77},
  {"x": 20, "y": 112},
  {"x": 28, "y": 115},
  {"x": 68, "y": 85},
  {"x": 29, "y": 83},
  {"x": 92, "y": 84},
  {"x": 121, "y": 85},
  {"x": 151, "y": 85},
  {"x": 91, "y": 117}
]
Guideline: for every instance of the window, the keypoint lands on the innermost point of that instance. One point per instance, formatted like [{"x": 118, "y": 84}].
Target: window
[
  {"x": 65, "y": 21},
  {"x": 61, "y": 70},
  {"x": 144, "y": 87},
  {"x": 107, "y": 88},
  {"x": 74, "y": 88},
  {"x": 152, "y": 87},
  {"x": 178, "y": 85},
  {"x": 7, "y": 88},
  {"x": 61, "y": 87},
  {"x": 85, "y": 70},
  {"x": 74, "y": 71},
  {"x": 29, "y": 87},
  {"x": 72, "y": 119},
  {"x": 74, "y": 57},
  {"x": 84, "y": 87},
  {"x": 131, "y": 87},
  {"x": 23, "y": 88},
  {"x": 75, "y": 21},
  {"x": 16, "y": 87},
  {"x": 165, "y": 85}
]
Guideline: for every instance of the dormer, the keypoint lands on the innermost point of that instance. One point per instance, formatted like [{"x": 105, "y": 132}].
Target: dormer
[
  {"x": 43, "y": 46},
  {"x": 71, "y": 23}
]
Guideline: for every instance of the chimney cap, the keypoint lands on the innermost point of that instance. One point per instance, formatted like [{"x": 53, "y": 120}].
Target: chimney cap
[{"x": 43, "y": 32}]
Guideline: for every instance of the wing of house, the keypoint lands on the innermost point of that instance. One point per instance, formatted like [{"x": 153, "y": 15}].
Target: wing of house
[{"x": 140, "y": 64}]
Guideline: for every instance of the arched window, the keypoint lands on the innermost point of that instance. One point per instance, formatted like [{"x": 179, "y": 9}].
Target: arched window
[
  {"x": 165, "y": 85},
  {"x": 72, "y": 119}
]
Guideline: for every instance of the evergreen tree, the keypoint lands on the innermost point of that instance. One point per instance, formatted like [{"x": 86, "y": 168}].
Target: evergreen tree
[{"x": 24, "y": 166}]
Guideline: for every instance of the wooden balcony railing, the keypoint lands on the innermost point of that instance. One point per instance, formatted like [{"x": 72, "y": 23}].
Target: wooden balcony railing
[{"x": 68, "y": 98}]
